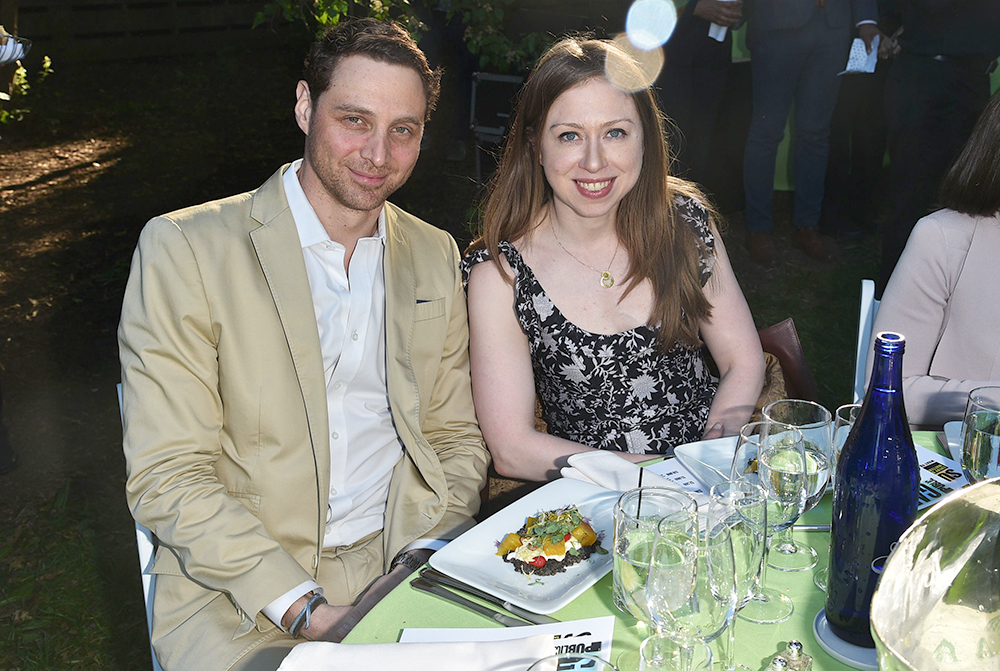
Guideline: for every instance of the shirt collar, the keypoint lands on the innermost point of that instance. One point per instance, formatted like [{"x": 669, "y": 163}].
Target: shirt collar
[{"x": 310, "y": 228}]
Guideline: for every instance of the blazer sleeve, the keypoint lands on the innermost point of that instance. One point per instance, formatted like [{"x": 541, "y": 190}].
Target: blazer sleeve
[
  {"x": 915, "y": 303},
  {"x": 450, "y": 424},
  {"x": 173, "y": 422},
  {"x": 863, "y": 10}
]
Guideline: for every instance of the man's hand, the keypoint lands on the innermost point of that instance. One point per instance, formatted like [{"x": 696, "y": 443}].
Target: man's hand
[
  {"x": 868, "y": 32},
  {"x": 324, "y": 622},
  {"x": 723, "y": 13}
]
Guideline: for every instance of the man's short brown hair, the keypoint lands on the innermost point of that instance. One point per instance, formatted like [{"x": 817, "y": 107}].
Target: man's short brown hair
[{"x": 382, "y": 41}]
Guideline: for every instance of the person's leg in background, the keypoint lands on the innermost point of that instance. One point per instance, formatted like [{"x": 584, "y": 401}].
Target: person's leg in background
[
  {"x": 930, "y": 108},
  {"x": 815, "y": 101},
  {"x": 776, "y": 60}
]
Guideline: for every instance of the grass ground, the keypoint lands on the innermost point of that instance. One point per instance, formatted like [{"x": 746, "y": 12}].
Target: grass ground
[{"x": 105, "y": 148}]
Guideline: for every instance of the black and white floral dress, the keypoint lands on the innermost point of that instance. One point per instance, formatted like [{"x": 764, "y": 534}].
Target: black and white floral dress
[{"x": 617, "y": 391}]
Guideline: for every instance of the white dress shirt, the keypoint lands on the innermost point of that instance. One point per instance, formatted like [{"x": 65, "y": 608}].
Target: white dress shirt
[{"x": 350, "y": 316}]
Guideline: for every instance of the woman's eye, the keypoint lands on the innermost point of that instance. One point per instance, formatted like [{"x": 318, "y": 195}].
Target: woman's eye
[
  {"x": 617, "y": 132},
  {"x": 569, "y": 136}
]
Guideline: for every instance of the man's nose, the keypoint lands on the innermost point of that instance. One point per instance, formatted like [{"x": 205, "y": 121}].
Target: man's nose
[{"x": 376, "y": 149}]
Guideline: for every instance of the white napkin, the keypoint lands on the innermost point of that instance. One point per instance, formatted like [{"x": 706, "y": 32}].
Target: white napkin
[
  {"x": 717, "y": 32},
  {"x": 608, "y": 470},
  {"x": 515, "y": 655},
  {"x": 859, "y": 60}
]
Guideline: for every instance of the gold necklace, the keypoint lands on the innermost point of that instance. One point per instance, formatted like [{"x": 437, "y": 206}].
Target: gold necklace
[{"x": 607, "y": 279}]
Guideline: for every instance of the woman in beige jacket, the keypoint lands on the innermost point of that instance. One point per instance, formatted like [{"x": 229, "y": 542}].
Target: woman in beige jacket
[{"x": 943, "y": 294}]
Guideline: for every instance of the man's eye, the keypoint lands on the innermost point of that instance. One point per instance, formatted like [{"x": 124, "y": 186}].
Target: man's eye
[
  {"x": 355, "y": 120},
  {"x": 403, "y": 130}
]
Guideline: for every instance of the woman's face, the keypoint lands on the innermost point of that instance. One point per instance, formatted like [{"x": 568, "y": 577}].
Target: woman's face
[{"x": 591, "y": 149}]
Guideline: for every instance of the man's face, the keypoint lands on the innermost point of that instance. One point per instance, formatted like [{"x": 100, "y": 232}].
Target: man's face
[{"x": 362, "y": 133}]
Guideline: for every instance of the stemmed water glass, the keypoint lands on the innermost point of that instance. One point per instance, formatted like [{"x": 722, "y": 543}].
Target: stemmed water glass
[
  {"x": 816, "y": 425},
  {"x": 691, "y": 585},
  {"x": 637, "y": 515},
  {"x": 843, "y": 421},
  {"x": 743, "y": 507},
  {"x": 981, "y": 435},
  {"x": 772, "y": 455}
]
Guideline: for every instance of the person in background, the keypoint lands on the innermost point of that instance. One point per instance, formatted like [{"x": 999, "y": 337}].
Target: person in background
[
  {"x": 299, "y": 427},
  {"x": 937, "y": 86},
  {"x": 797, "y": 47},
  {"x": 942, "y": 294},
  {"x": 692, "y": 83},
  {"x": 598, "y": 278}
]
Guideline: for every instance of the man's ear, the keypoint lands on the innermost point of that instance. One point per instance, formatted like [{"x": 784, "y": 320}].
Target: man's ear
[{"x": 303, "y": 106}]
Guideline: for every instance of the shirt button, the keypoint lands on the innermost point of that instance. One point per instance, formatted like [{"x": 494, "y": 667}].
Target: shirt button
[
  {"x": 343, "y": 288},
  {"x": 336, "y": 385},
  {"x": 333, "y": 491},
  {"x": 335, "y": 435},
  {"x": 354, "y": 336}
]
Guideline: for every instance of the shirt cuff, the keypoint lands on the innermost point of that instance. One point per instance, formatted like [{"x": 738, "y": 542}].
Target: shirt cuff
[{"x": 276, "y": 610}]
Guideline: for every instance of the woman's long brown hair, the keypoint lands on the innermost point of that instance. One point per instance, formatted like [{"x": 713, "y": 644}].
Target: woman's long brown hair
[{"x": 661, "y": 247}]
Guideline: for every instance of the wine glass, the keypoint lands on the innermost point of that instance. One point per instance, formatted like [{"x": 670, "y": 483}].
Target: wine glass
[
  {"x": 772, "y": 455},
  {"x": 691, "y": 585},
  {"x": 816, "y": 425},
  {"x": 843, "y": 421},
  {"x": 742, "y": 505},
  {"x": 637, "y": 515},
  {"x": 981, "y": 435},
  {"x": 660, "y": 652}
]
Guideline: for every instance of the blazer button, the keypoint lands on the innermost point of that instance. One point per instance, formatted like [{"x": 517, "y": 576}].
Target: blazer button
[{"x": 315, "y": 561}]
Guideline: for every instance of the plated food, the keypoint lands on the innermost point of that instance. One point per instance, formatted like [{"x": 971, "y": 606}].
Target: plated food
[{"x": 550, "y": 542}]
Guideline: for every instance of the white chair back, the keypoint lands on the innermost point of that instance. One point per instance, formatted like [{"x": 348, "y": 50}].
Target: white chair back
[
  {"x": 147, "y": 550},
  {"x": 866, "y": 321}
]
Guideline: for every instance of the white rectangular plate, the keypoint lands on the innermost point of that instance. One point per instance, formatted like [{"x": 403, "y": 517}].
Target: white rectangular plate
[
  {"x": 472, "y": 556},
  {"x": 708, "y": 460}
]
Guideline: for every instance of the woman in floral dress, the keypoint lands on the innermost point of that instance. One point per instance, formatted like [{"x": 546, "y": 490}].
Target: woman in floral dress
[{"x": 599, "y": 278}]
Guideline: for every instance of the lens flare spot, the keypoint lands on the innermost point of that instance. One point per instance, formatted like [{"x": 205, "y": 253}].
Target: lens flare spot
[
  {"x": 650, "y": 23},
  {"x": 626, "y": 76}
]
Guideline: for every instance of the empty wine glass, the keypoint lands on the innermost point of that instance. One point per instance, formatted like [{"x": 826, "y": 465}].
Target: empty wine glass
[
  {"x": 843, "y": 420},
  {"x": 572, "y": 661},
  {"x": 742, "y": 505},
  {"x": 637, "y": 515},
  {"x": 772, "y": 455},
  {"x": 816, "y": 425},
  {"x": 691, "y": 585},
  {"x": 981, "y": 435}
]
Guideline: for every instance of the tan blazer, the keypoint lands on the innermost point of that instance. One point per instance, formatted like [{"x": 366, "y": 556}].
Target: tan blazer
[{"x": 226, "y": 427}]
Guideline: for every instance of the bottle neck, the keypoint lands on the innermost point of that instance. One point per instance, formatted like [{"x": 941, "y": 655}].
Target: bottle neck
[{"x": 887, "y": 373}]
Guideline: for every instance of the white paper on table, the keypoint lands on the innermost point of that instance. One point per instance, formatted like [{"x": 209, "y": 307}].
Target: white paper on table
[
  {"x": 939, "y": 476},
  {"x": 591, "y": 635},
  {"x": 859, "y": 60},
  {"x": 674, "y": 470}
]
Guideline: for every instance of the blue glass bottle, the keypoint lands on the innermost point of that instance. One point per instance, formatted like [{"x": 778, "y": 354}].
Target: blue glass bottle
[{"x": 875, "y": 499}]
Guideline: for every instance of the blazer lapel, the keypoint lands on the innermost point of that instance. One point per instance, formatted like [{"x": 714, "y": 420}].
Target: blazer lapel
[
  {"x": 279, "y": 252},
  {"x": 400, "y": 304}
]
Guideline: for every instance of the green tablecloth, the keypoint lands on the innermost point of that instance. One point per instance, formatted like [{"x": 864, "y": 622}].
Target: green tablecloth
[{"x": 755, "y": 644}]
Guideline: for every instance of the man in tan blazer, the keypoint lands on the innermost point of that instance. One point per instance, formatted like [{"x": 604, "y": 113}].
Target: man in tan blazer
[{"x": 298, "y": 414}]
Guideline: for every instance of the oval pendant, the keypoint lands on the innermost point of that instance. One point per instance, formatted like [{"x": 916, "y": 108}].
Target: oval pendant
[{"x": 607, "y": 281}]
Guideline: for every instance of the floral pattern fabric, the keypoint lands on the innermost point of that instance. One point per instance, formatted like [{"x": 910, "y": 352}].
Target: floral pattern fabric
[{"x": 615, "y": 391}]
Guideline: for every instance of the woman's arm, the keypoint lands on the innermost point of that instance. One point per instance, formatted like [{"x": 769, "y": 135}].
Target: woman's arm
[
  {"x": 503, "y": 384},
  {"x": 735, "y": 346}
]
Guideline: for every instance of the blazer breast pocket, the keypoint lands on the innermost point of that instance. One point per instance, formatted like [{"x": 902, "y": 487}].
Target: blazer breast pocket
[{"x": 428, "y": 309}]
